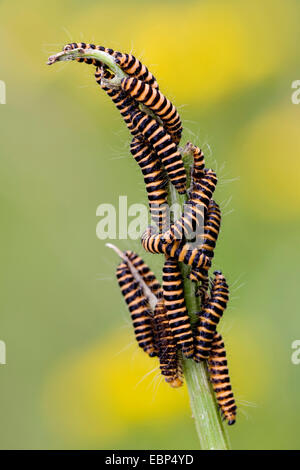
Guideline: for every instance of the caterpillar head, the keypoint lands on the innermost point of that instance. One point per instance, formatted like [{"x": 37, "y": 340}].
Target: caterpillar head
[{"x": 230, "y": 418}]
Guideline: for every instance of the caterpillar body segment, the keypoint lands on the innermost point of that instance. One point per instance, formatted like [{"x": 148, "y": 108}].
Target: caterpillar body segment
[
  {"x": 207, "y": 242},
  {"x": 210, "y": 316},
  {"x": 145, "y": 272},
  {"x": 138, "y": 308},
  {"x": 191, "y": 224},
  {"x": 83, "y": 45},
  {"x": 211, "y": 228},
  {"x": 199, "y": 163},
  {"x": 202, "y": 290},
  {"x": 219, "y": 377},
  {"x": 179, "y": 319},
  {"x": 166, "y": 345},
  {"x": 203, "y": 189},
  {"x": 157, "y": 102},
  {"x": 154, "y": 178},
  {"x": 132, "y": 66},
  {"x": 163, "y": 145}
]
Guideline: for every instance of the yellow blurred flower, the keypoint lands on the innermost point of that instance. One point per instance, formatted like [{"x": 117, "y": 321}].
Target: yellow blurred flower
[{"x": 101, "y": 392}]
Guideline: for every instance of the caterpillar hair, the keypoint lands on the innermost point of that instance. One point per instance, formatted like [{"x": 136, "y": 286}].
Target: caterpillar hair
[
  {"x": 165, "y": 148},
  {"x": 138, "y": 308},
  {"x": 210, "y": 316},
  {"x": 178, "y": 317},
  {"x": 157, "y": 102},
  {"x": 219, "y": 377},
  {"x": 154, "y": 178},
  {"x": 167, "y": 352}
]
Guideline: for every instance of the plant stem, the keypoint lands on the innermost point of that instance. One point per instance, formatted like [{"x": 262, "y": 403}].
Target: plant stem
[{"x": 209, "y": 426}]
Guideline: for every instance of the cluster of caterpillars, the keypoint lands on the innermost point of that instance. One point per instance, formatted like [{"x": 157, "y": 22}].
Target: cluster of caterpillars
[{"x": 164, "y": 328}]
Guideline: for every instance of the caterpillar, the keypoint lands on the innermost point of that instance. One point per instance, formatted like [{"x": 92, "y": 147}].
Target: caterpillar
[
  {"x": 124, "y": 103},
  {"x": 192, "y": 217},
  {"x": 219, "y": 377},
  {"x": 194, "y": 210},
  {"x": 198, "y": 160},
  {"x": 83, "y": 45},
  {"x": 138, "y": 308},
  {"x": 178, "y": 317},
  {"x": 167, "y": 352},
  {"x": 181, "y": 251},
  {"x": 165, "y": 148},
  {"x": 145, "y": 272},
  {"x": 210, "y": 316},
  {"x": 154, "y": 178},
  {"x": 127, "y": 62},
  {"x": 157, "y": 102}
]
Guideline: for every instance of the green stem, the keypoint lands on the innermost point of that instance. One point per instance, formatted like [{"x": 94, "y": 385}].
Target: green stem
[
  {"x": 209, "y": 425},
  {"x": 101, "y": 56}
]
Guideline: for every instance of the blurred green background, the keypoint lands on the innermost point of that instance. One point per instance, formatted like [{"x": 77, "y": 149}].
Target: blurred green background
[{"x": 73, "y": 377}]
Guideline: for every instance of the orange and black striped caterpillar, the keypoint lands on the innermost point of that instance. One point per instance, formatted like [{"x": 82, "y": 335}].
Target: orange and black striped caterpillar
[
  {"x": 164, "y": 146},
  {"x": 152, "y": 328},
  {"x": 155, "y": 180},
  {"x": 124, "y": 103},
  {"x": 127, "y": 62},
  {"x": 207, "y": 244},
  {"x": 141, "y": 124},
  {"x": 219, "y": 377},
  {"x": 164, "y": 328},
  {"x": 145, "y": 272},
  {"x": 138, "y": 307},
  {"x": 188, "y": 226},
  {"x": 210, "y": 316},
  {"x": 154, "y": 99},
  {"x": 178, "y": 317}
]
